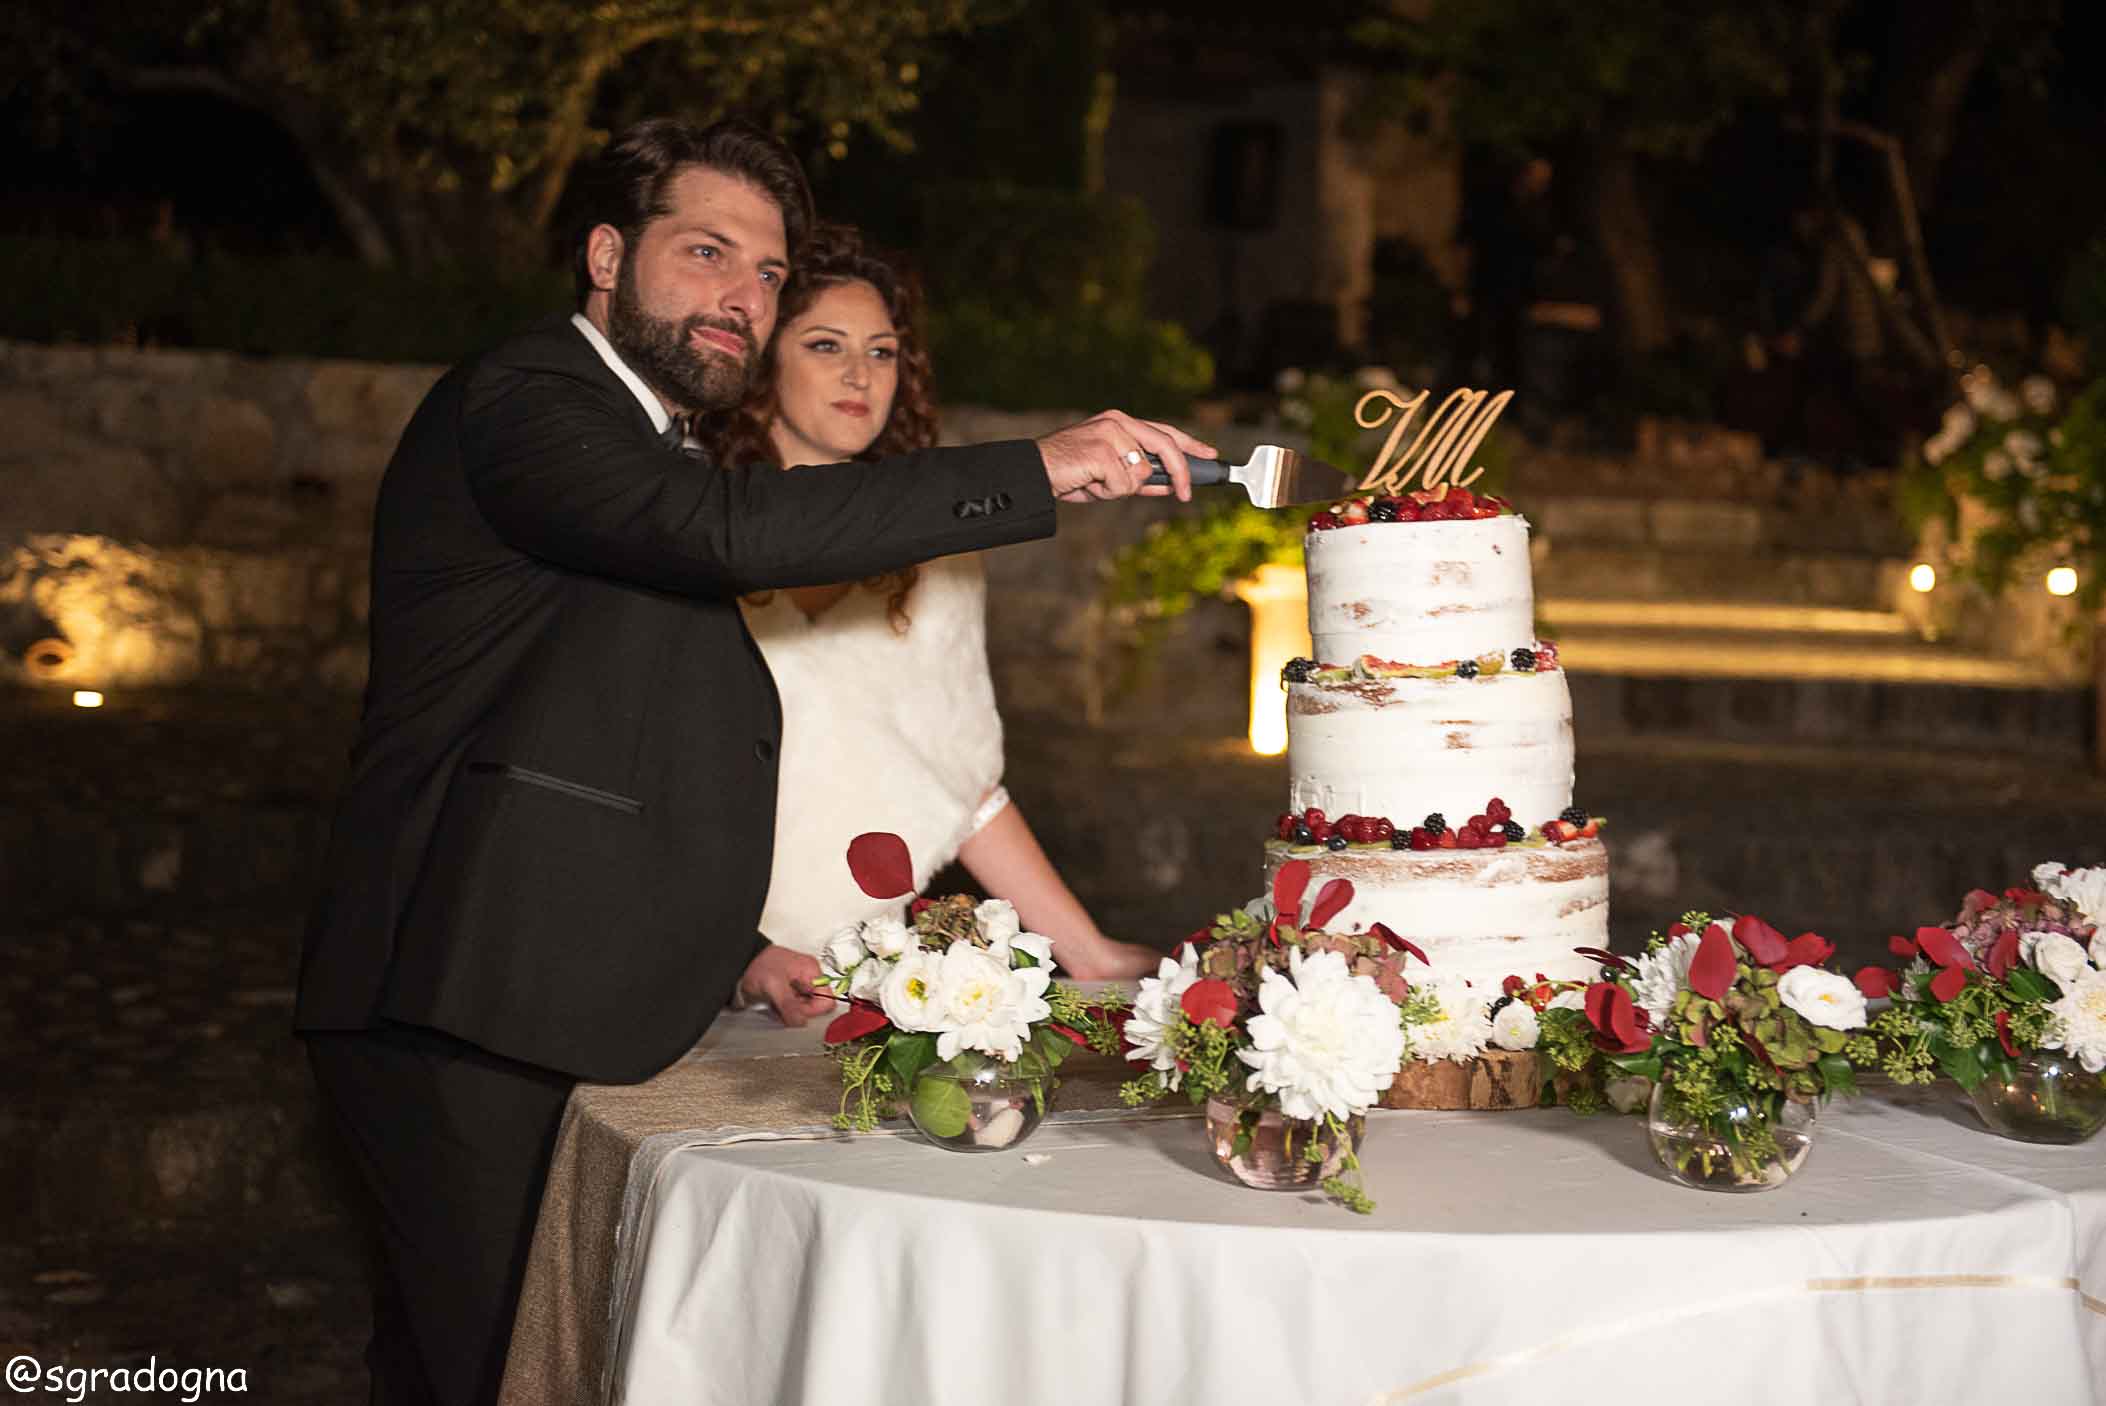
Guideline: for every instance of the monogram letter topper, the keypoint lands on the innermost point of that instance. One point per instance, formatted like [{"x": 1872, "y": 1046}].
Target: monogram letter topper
[{"x": 1441, "y": 452}]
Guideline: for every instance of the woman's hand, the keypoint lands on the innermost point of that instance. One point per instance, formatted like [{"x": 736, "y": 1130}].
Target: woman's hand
[{"x": 1106, "y": 960}]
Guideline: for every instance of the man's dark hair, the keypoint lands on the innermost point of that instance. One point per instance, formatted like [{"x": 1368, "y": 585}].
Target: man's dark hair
[{"x": 627, "y": 185}]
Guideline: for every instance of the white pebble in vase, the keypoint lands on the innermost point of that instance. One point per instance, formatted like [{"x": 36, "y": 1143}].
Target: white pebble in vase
[{"x": 1002, "y": 1129}]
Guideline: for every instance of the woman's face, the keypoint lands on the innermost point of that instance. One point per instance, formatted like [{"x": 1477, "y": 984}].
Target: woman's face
[{"x": 836, "y": 370}]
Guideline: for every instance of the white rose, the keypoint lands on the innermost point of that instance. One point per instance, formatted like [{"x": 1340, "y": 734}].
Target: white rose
[
  {"x": 868, "y": 979},
  {"x": 1516, "y": 1027},
  {"x": 2060, "y": 958},
  {"x": 1039, "y": 948},
  {"x": 912, "y": 992},
  {"x": 843, "y": 951},
  {"x": 1823, "y": 998},
  {"x": 998, "y": 921},
  {"x": 2080, "y": 1023},
  {"x": 2082, "y": 889},
  {"x": 2045, "y": 875},
  {"x": 986, "y": 1006},
  {"x": 2098, "y": 947},
  {"x": 888, "y": 937},
  {"x": 1325, "y": 1041},
  {"x": 2038, "y": 392}
]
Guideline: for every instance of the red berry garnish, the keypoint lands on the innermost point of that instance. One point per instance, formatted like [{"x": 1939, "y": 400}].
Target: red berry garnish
[
  {"x": 1469, "y": 839},
  {"x": 1384, "y": 829},
  {"x": 1323, "y": 522},
  {"x": 1408, "y": 511},
  {"x": 1497, "y": 811},
  {"x": 1480, "y": 823},
  {"x": 1312, "y": 816},
  {"x": 1447, "y": 841},
  {"x": 1319, "y": 830},
  {"x": 1285, "y": 825},
  {"x": 1496, "y": 839}
]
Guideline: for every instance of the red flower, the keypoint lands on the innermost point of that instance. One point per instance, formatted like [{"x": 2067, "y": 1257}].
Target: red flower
[
  {"x": 1512, "y": 986},
  {"x": 880, "y": 864},
  {"x": 1874, "y": 982},
  {"x": 2026, "y": 898},
  {"x": 1210, "y": 1000},
  {"x": 1948, "y": 983},
  {"x": 1615, "y": 1019},
  {"x": 1902, "y": 947},
  {"x": 2003, "y": 954},
  {"x": 1076, "y": 1035},
  {"x": 1398, "y": 944},
  {"x": 1677, "y": 930},
  {"x": 1711, "y": 972},
  {"x": 1330, "y": 899},
  {"x": 1808, "y": 949},
  {"x": 1942, "y": 947},
  {"x": 860, "y": 1019},
  {"x": 2003, "y": 1033},
  {"x": 1978, "y": 899},
  {"x": 1764, "y": 945}
]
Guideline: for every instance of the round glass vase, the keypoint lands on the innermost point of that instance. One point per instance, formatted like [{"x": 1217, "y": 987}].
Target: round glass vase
[
  {"x": 1741, "y": 1147},
  {"x": 1266, "y": 1149},
  {"x": 2047, "y": 1097},
  {"x": 977, "y": 1103}
]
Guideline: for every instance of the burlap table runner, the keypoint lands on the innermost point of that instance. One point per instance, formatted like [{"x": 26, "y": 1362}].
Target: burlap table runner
[{"x": 562, "y": 1333}]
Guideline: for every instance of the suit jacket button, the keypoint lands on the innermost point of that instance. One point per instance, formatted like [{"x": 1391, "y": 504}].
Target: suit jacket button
[{"x": 764, "y": 750}]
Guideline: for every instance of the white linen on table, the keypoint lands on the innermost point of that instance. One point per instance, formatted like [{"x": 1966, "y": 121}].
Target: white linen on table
[{"x": 1515, "y": 1257}]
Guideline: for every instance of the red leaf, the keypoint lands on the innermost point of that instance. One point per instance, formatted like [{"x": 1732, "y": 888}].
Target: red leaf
[
  {"x": 1711, "y": 972},
  {"x": 1330, "y": 900},
  {"x": 2003, "y": 954},
  {"x": 858, "y": 1020},
  {"x": 1764, "y": 945},
  {"x": 1874, "y": 982},
  {"x": 1677, "y": 929},
  {"x": 1076, "y": 1035},
  {"x": 1210, "y": 1000},
  {"x": 1942, "y": 947},
  {"x": 1607, "y": 959},
  {"x": 879, "y": 861},
  {"x": 2026, "y": 898},
  {"x": 1947, "y": 984},
  {"x": 1808, "y": 949},
  {"x": 1398, "y": 944},
  {"x": 1610, "y": 1012},
  {"x": 1287, "y": 886},
  {"x": 2003, "y": 1033},
  {"x": 1902, "y": 947}
]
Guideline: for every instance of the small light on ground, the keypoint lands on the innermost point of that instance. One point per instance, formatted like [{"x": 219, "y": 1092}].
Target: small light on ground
[
  {"x": 1922, "y": 576},
  {"x": 86, "y": 698},
  {"x": 2062, "y": 581}
]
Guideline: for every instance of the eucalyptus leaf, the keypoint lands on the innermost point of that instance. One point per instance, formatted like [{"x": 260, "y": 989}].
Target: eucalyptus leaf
[{"x": 941, "y": 1107}]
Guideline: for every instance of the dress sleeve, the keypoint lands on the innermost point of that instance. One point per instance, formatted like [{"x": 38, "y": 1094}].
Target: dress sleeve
[{"x": 997, "y": 801}]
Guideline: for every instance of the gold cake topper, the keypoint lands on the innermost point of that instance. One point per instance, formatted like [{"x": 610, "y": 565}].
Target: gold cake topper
[{"x": 1441, "y": 453}]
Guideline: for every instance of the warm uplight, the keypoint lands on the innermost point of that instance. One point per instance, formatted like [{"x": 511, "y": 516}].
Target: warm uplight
[
  {"x": 1922, "y": 576},
  {"x": 2062, "y": 581},
  {"x": 1278, "y": 598},
  {"x": 86, "y": 698}
]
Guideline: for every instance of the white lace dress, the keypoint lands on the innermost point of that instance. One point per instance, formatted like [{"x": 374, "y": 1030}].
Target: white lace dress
[{"x": 880, "y": 731}]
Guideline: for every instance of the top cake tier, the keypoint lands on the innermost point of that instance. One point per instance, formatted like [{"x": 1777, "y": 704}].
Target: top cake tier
[{"x": 1420, "y": 592}]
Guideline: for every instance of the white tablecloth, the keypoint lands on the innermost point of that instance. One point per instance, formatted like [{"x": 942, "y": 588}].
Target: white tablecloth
[{"x": 1515, "y": 1257}]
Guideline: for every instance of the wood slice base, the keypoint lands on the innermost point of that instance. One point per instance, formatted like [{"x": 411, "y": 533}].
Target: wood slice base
[{"x": 1496, "y": 1079}]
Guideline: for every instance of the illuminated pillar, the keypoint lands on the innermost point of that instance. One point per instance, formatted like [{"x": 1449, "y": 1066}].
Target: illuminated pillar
[{"x": 1278, "y": 597}]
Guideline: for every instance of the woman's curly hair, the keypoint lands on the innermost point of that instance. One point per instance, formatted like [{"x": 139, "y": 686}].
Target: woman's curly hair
[{"x": 834, "y": 255}]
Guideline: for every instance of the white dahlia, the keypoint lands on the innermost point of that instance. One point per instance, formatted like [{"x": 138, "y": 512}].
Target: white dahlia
[
  {"x": 1463, "y": 1028},
  {"x": 1325, "y": 1041},
  {"x": 912, "y": 992},
  {"x": 1156, "y": 1010},
  {"x": 2080, "y": 1022},
  {"x": 1662, "y": 974},
  {"x": 2082, "y": 889}
]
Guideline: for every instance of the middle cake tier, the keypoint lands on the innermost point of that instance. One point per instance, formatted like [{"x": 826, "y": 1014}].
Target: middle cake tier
[{"x": 1401, "y": 748}]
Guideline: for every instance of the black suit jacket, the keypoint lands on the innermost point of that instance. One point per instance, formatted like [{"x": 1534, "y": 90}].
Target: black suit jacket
[{"x": 556, "y": 836}]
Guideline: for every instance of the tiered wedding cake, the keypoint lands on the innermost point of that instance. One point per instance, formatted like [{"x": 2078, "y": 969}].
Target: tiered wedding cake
[{"x": 1430, "y": 743}]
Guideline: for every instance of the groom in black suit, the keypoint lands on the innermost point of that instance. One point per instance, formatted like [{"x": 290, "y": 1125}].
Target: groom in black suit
[{"x": 551, "y": 855}]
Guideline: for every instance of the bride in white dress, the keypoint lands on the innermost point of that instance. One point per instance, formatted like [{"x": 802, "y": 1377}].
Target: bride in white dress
[{"x": 889, "y": 718}]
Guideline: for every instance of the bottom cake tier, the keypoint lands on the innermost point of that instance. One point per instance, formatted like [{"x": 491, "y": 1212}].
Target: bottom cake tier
[{"x": 1483, "y": 914}]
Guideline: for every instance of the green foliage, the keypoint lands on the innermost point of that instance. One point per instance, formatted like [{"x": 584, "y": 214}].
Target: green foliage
[
  {"x": 112, "y": 291},
  {"x": 941, "y": 1106},
  {"x": 1517, "y": 74},
  {"x": 1035, "y": 249},
  {"x": 1075, "y": 359},
  {"x": 1920, "y": 1037}
]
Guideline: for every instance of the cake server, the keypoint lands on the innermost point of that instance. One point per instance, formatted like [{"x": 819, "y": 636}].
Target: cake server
[{"x": 1274, "y": 477}]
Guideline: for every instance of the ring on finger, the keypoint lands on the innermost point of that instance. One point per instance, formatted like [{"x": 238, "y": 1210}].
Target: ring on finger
[{"x": 1132, "y": 457}]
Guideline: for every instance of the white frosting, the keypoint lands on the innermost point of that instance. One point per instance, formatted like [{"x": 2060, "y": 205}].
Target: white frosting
[
  {"x": 1401, "y": 748},
  {"x": 1480, "y": 914},
  {"x": 1420, "y": 593}
]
